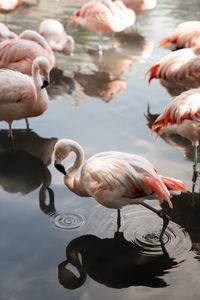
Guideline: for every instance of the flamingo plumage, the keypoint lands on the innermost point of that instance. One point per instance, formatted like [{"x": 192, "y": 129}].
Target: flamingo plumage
[
  {"x": 139, "y": 6},
  {"x": 185, "y": 35},
  {"x": 55, "y": 35},
  {"x": 18, "y": 54},
  {"x": 182, "y": 116},
  {"x": 183, "y": 64},
  {"x": 7, "y": 6},
  {"x": 115, "y": 179},
  {"x": 5, "y": 33},
  {"x": 22, "y": 96}
]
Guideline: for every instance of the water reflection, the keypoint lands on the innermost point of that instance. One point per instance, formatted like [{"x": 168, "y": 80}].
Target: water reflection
[
  {"x": 175, "y": 88},
  {"x": 114, "y": 262},
  {"x": 24, "y": 168}
]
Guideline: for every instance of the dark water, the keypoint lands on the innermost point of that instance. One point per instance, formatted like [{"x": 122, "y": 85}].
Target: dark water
[{"x": 102, "y": 105}]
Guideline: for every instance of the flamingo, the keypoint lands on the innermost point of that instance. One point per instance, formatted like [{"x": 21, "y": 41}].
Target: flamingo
[
  {"x": 18, "y": 54},
  {"x": 180, "y": 65},
  {"x": 104, "y": 16},
  {"x": 5, "y": 33},
  {"x": 22, "y": 96},
  {"x": 55, "y": 35},
  {"x": 7, "y": 6},
  {"x": 185, "y": 35},
  {"x": 139, "y": 6},
  {"x": 115, "y": 179},
  {"x": 182, "y": 116}
]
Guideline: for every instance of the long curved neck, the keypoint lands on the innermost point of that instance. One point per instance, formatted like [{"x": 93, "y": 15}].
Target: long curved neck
[{"x": 70, "y": 179}]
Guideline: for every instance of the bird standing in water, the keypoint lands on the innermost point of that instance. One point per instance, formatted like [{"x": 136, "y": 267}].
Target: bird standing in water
[
  {"x": 115, "y": 179},
  {"x": 140, "y": 5},
  {"x": 22, "y": 96}
]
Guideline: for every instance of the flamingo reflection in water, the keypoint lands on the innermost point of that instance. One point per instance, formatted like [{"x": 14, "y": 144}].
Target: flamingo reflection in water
[
  {"x": 181, "y": 116},
  {"x": 115, "y": 179},
  {"x": 24, "y": 168},
  {"x": 114, "y": 262}
]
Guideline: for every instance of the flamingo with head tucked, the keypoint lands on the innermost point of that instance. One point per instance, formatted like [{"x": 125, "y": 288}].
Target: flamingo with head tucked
[
  {"x": 115, "y": 179},
  {"x": 22, "y": 96},
  {"x": 140, "y": 5},
  {"x": 18, "y": 54},
  {"x": 55, "y": 35},
  {"x": 185, "y": 35}
]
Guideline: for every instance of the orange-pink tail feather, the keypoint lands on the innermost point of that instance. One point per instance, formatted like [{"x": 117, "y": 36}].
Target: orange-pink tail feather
[
  {"x": 153, "y": 72},
  {"x": 164, "y": 42}
]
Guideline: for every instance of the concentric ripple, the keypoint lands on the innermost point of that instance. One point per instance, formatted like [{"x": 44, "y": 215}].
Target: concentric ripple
[
  {"x": 143, "y": 229},
  {"x": 68, "y": 221}
]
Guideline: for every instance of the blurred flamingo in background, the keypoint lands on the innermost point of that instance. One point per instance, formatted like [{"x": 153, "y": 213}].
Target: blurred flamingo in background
[
  {"x": 182, "y": 116},
  {"x": 140, "y": 5},
  {"x": 115, "y": 179},
  {"x": 185, "y": 35},
  {"x": 18, "y": 54},
  {"x": 104, "y": 16},
  {"x": 22, "y": 96},
  {"x": 179, "y": 65},
  {"x": 7, "y": 6},
  {"x": 5, "y": 33},
  {"x": 55, "y": 35}
]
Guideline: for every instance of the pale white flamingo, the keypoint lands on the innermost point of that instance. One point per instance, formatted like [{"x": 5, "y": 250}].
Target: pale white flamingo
[
  {"x": 22, "y": 96},
  {"x": 7, "y": 6},
  {"x": 55, "y": 35},
  {"x": 18, "y": 54},
  {"x": 182, "y": 116},
  {"x": 140, "y": 5},
  {"x": 5, "y": 33},
  {"x": 180, "y": 65},
  {"x": 104, "y": 16},
  {"x": 115, "y": 179},
  {"x": 185, "y": 35}
]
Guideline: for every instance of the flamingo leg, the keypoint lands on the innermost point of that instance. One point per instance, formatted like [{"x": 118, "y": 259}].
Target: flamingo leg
[
  {"x": 10, "y": 131},
  {"x": 100, "y": 49},
  {"x": 162, "y": 215},
  {"x": 118, "y": 219},
  {"x": 195, "y": 171},
  {"x": 27, "y": 124}
]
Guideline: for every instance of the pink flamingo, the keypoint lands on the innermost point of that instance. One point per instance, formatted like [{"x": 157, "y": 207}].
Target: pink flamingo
[
  {"x": 55, "y": 35},
  {"x": 22, "y": 96},
  {"x": 18, "y": 54},
  {"x": 183, "y": 64},
  {"x": 140, "y": 5},
  {"x": 185, "y": 35},
  {"x": 115, "y": 179},
  {"x": 7, "y": 6},
  {"x": 181, "y": 116},
  {"x": 5, "y": 33},
  {"x": 104, "y": 16}
]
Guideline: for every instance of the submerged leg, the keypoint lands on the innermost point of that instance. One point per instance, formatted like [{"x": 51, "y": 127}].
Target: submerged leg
[
  {"x": 118, "y": 219},
  {"x": 162, "y": 215}
]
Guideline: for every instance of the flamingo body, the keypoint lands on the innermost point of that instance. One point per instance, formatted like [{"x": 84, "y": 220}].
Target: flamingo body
[
  {"x": 22, "y": 96},
  {"x": 5, "y": 33},
  {"x": 18, "y": 54},
  {"x": 114, "y": 179},
  {"x": 140, "y": 5},
  {"x": 185, "y": 35},
  {"x": 179, "y": 65},
  {"x": 182, "y": 116},
  {"x": 55, "y": 35},
  {"x": 104, "y": 15},
  {"x": 7, "y": 6}
]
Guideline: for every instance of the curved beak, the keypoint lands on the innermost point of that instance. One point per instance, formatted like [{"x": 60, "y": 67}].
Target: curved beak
[
  {"x": 45, "y": 83},
  {"x": 60, "y": 168}
]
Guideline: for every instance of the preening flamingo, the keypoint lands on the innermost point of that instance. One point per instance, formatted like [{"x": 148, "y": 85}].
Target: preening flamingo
[
  {"x": 7, "y": 6},
  {"x": 55, "y": 35},
  {"x": 115, "y": 179},
  {"x": 140, "y": 5},
  {"x": 18, "y": 54},
  {"x": 5, "y": 33},
  {"x": 185, "y": 35},
  {"x": 180, "y": 65},
  {"x": 104, "y": 15},
  {"x": 22, "y": 96},
  {"x": 182, "y": 116}
]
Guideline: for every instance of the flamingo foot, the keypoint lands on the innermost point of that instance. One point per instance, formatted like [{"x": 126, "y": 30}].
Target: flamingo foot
[{"x": 196, "y": 173}]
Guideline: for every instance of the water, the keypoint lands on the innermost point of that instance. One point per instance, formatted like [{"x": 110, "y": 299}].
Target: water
[{"x": 102, "y": 105}]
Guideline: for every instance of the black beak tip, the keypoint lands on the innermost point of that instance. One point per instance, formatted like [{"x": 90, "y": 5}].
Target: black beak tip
[
  {"x": 45, "y": 83},
  {"x": 60, "y": 168}
]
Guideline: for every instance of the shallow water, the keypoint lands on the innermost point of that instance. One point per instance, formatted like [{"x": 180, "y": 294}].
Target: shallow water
[{"x": 102, "y": 105}]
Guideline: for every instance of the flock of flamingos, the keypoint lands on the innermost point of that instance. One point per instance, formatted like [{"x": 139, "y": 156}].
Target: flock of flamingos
[{"x": 114, "y": 179}]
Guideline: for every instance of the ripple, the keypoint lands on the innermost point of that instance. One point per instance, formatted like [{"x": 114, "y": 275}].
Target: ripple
[
  {"x": 143, "y": 229},
  {"x": 68, "y": 221}
]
